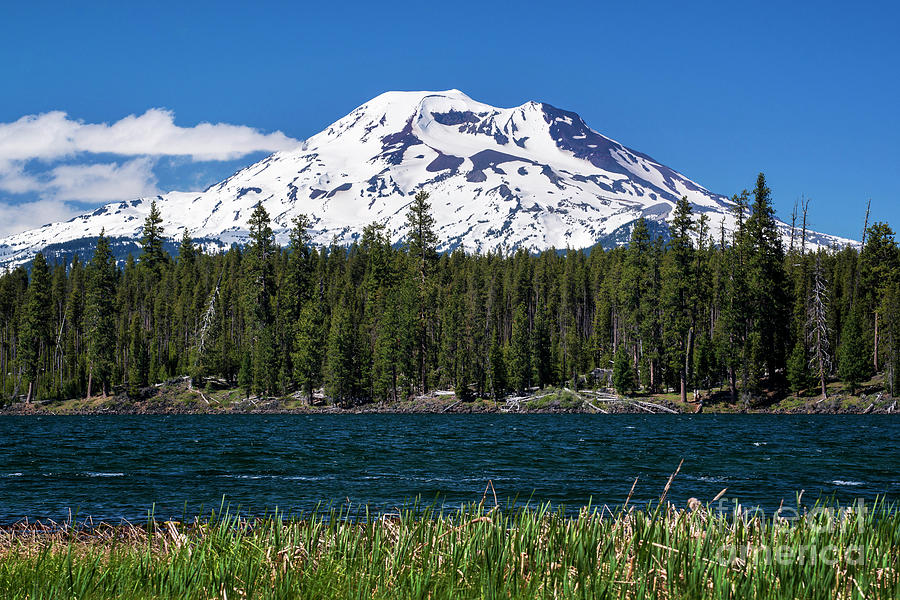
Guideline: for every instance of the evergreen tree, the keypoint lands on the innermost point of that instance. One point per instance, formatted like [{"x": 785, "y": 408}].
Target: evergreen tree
[
  {"x": 138, "y": 361},
  {"x": 798, "y": 361},
  {"x": 308, "y": 348},
  {"x": 879, "y": 268},
  {"x": 542, "y": 367},
  {"x": 56, "y": 348},
  {"x": 766, "y": 288},
  {"x": 678, "y": 289},
  {"x": 152, "y": 254},
  {"x": 339, "y": 358},
  {"x": 733, "y": 324},
  {"x": 650, "y": 328},
  {"x": 520, "y": 352},
  {"x": 572, "y": 355},
  {"x": 890, "y": 309},
  {"x": 799, "y": 376},
  {"x": 35, "y": 333},
  {"x": 705, "y": 366},
  {"x": 259, "y": 290},
  {"x": 852, "y": 357},
  {"x": 245, "y": 374},
  {"x": 636, "y": 283},
  {"x": 452, "y": 363},
  {"x": 259, "y": 265},
  {"x": 421, "y": 242},
  {"x": 496, "y": 371},
  {"x": 298, "y": 282},
  {"x": 389, "y": 353},
  {"x": 623, "y": 376},
  {"x": 265, "y": 362},
  {"x": 72, "y": 369},
  {"x": 294, "y": 292},
  {"x": 100, "y": 316},
  {"x": 187, "y": 251}
]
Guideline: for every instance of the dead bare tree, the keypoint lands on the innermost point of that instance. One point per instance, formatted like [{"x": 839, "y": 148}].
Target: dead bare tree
[
  {"x": 862, "y": 243},
  {"x": 803, "y": 232},
  {"x": 817, "y": 327},
  {"x": 206, "y": 322},
  {"x": 793, "y": 228}
]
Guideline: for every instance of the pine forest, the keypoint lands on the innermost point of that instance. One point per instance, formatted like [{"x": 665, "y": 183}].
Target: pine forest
[{"x": 743, "y": 312}]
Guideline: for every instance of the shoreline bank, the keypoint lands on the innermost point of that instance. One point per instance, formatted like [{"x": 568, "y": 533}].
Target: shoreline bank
[{"x": 180, "y": 398}]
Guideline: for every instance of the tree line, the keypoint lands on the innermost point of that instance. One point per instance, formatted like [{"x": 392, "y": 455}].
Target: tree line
[{"x": 703, "y": 308}]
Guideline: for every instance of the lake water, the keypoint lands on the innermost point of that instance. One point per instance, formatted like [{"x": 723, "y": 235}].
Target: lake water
[{"x": 118, "y": 467}]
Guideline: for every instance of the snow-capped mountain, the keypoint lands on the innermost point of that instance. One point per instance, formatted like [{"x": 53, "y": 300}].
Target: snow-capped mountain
[{"x": 532, "y": 176}]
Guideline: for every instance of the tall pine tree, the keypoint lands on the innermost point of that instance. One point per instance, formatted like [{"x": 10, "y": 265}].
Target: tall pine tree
[
  {"x": 520, "y": 351},
  {"x": 308, "y": 344},
  {"x": 766, "y": 289},
  {"x": 152, "y": 253},
  {"x": 35, "y": 333},
  {"x": 853, "y": 364},
  {"x": 678, "y": 290},
  {"x": 259, "y": 291},
  {"x": 100, "y": 316},
  {"x": 421, "y": 243}
]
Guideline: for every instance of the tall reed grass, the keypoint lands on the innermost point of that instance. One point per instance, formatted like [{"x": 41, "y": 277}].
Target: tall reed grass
[{"x": 653, "y": 552}]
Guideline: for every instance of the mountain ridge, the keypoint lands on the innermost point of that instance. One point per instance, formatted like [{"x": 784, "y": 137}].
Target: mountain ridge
[{"x": 532, "y": 176}]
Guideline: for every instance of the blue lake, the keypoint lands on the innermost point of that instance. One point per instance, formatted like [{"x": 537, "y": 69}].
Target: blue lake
[{"x": 119, "y": 467}]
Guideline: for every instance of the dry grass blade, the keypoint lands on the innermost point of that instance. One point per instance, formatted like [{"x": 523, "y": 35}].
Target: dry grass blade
[
  {"x": 489, "y": 486},
  {"x": 662, "y": 499},
  {"x": 468, "y": 553},
  {"x": 630, "y": 493}
]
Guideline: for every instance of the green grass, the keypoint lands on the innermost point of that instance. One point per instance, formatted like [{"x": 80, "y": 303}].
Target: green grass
[
  {"x": 472, "y": 553},
  {"x": 560, "y": 398}
]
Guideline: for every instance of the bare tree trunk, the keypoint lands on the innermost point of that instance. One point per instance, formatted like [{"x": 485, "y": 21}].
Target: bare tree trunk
[
  {"x": 423, "y": 315},
  {"x": 422, "y": 359},
  {"x": 637, "y": 367},
  {"x": 394, "y": 382},
  {"x": 818, "y": 324},
  {"x": 793, "y": 228},
  {"x": 822, "y": 377},
  {"x": 689, "y": 353},
  {"x": 30, "y": 390},
  {"x": 803, "y": 232},
  {"x": 90, "y": 382},
  {"x": 732, "y": 384},
  {"x": 862, "y": 243},
  {"x": 875, "y": 354},
  {"x": 683, "y": 387}
]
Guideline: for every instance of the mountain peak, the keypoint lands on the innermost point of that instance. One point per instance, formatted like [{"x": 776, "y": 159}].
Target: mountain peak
[
  {"x": 532, "y": 176},
  {"x": 408, "y": 100}
]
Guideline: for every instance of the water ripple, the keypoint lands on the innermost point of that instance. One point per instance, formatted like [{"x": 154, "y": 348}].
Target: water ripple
[{"x": 120, "y": 467}]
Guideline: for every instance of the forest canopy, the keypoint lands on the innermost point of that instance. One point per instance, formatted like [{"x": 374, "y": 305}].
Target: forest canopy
[{"x": 700, "y": 308}]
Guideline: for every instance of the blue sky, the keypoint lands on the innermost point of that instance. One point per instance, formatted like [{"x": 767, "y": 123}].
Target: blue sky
[{"x": 806, "y": 92}]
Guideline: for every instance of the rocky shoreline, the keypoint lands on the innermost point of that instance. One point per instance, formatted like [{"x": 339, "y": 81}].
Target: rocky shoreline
[{"x": 181, "y": 400}]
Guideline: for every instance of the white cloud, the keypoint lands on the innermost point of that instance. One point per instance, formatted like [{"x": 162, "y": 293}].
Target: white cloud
[
  {"x": 53, "y": 135},
  {"x": 28, "y": 215},
  {"x": 104, "y": 182},
  {"x": 61, "y": 189},
  {"x": 13, "y": 178},
  {"x": 97, "y": 182}
]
